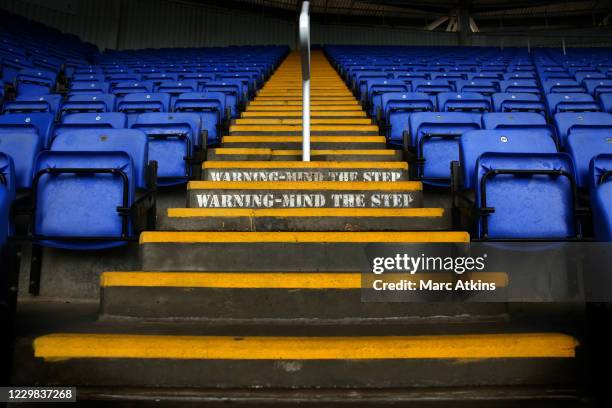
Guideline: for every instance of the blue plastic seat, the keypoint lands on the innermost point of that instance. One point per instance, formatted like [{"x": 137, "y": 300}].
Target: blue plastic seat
[
  {"x": 526, "y": 196},
  {"x": 232, "y": 93},
  {"x": 35, "y": 81},
  {"x": 175, "y": 88},
  {"x": 432, "y": 87},
  {"x": 121, "y": 89},
  {"x": 87, "y": 77},
  {"x": 606, "y": 102},
  {"x": 434, "y": 138},
  {"x": 523, "y": 86},
  {"x": 34, "y": 103},
  {"x": 42, "y": 123},
  {"x": 474, "y": 143},
  {"x": 7, "y": 176},
  {"x": 601, "y": 202},
  {"x": 583, "y": 147},
  {"x": 174, "y": 139},
  {"x": 157, "y": 78},
  {"x": 563, "y": 86},
  {"x": 134, "y": 104},
  {"x": 518, "y": 102},
  {"x": 116, "y": 78},
  {"x": 94, "y": 87},
  {"x": 377, "y": 87},
  {"x": 398, "y": 106},
  {"x": 463, "y": 102},
  {"x": 584, "y": 76},
  {"x": 600, "y": 170},
  {"x": 571, "y": 102},
  {"x": 102, "y": 120},
  {"x": 22, "y": 144},
  {"x": 209, "y": 105},
  {"x": 482, "y": 86},
  {"x": 598, "y": 87},
  {"x": 581, "y": 122},
  {"x": 83, "y": 103}
]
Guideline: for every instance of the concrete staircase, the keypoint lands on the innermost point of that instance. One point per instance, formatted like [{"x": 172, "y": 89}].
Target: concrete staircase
[{"x": 255, "y": 286}]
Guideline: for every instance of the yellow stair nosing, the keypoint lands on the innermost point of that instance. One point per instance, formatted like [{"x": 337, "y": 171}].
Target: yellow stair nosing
[
  {"x": 305, "y": 212},
  {"x": 306, "y": 185},
  {"x": 302, "y": 165}
]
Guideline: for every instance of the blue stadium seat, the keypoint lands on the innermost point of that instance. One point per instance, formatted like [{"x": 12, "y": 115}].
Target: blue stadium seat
[
  {"x": 432, "y": 87},
  {"x": 600, "y": 170},
  {"x": 474, "y": 143},
  {"x": 175, "y": 88},
  {"x": 35, "y": 82},
  {"x": 157, "y": 78},
  {"x": 598, "y": 87},
  {"x": 518, "y": 75},
  {"x": 200, "y": 78},
  {"x": 483, "y": 86},
  {"x": 34, "y": 103},
  {"x": 463, "y": 102},
  {"x": 563, "y": 86},
  {"x": 518, "y": 102},
  {"x": 434, "y": 138},
  {"x": 601, "y": 202},
  {"x": 571, "y": 102},
  {"x": 135, "y": 103},
  {"x": 88, "y": 77},
  {"x": 83, "y": 103},
  {"x": 121, "y": 89},
  {"x": 22, "y": 144},
  {"x": 232, "y": 93},
  {"x": 97, "y": 209},
  {"x": 95, "y": 87},
  {"x": 102, "y": 120},
  {"x": 523, "y": 86},
  {"x": 116, "y": 78},
  {"x": 606, "y": 102},
  {"x": 175, "y": 141},
  {"x": 528, "y": 121},
  {"x": 526, "y": 196},
  {"x": 397, "y": 108},
  {"x": 581, "y": 122},
  {"x": 377, "y": 87},
  {"x": 7, "y": 176},
  {"x": 211, "y": 108},
  {"x": 41, "y": 122},
  {"x": 583, "y": 147},
  {"x": 583, "y": 77}
]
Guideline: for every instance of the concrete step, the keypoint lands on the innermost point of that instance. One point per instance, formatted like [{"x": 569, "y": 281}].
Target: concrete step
[
  {"x": 298, "y": 121},
  {"x": 238, "y": 130},
  {"x": 304, "y": 194},
  {"x": 298, "y": 102},
  {"x": 312, "y": 99},
  {"x": 304, "y": 171},
  {"x": 295, "y": 142},
  {"x": 288, "y": 114},
  {"x": 304, "y": 219},
  {"x": 367, "y": 155},
  {"x": 281, "y": 251},
  {"x": 255, "y": 109},
  {"x": 198, "y": 361}
]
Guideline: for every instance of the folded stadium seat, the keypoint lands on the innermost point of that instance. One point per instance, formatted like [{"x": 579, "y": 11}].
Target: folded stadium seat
[
  {"x": 89, "y": 77},
  {"x": 157, "y": 78},
  {"x": 491, "y": 76},
  {"x": 555, "y": 76},
  {"x": 483, "y": 86},
  {"x": 211, "y": 108},
  {"x": 526, "y": 196},
  {"x": 22, "y": 144},
  {"x": 601, "y": 199},
  {"x": 200, "y": 78},
  {"x": 377, "y": 87},
  {"x": 175, "y": 142},
  {"x": 35, "y": 82},
  {"x": 175, "y": 88},
  {"x": 34, "y": 103},
  {"x": 122, "y": 77},
  {"x": 134, "y": 104},
  {"x": 606, "y": 102},
  {"x": 572, "y": 102},
  {"x": 82, "y": 103},
  {"x": 463, "y": 102},
  {"x": 474, "y": 143},
  {"x": 96, "y": 87},
  {"x": 397, "y": 107},
  {"x": 598, "y": 87},
  {"x": 248, "y": 79},
  {"x": 232, "y": 91},
  {"x": 100, "y": 208},
  {"x": 121, "y": 89},
  {"x": 12, "y": 66},
  {"x": 7, "y": 175},
  {"x": 600, "y": 170},
  {"x": 563, "y": 86},
  {"x": 512, "y": 76},
  {"x": 518, "y": 102},
  {"x": 41, "y": 123},
  {"x": 434, "y": 140},
  {"x": 528, "y": 121},
  {"x": 581, "y": 77},
  {"x": 451, "y": 76},
  {"x": 581, "y": 122},
  {"x": 432, "y": 87},
  {"x": 584, "y": 147},
  {"x": 101, "y": 120},
  {"x": 520, "y": 86}
]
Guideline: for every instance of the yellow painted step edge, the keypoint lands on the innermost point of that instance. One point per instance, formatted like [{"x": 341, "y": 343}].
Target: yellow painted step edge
[
  {"x": 306, "y": 185},
  {"x": 303, "y": 165},
  {"x": 468, "y": 346},
  {"x": 279, "y": 152},
  {"x": 279, "y": 280},
  {"x": 314, "y": 139},
  {"x": 150, "y": 237}
]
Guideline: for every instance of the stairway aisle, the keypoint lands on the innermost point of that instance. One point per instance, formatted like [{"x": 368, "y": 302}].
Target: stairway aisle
[{"x": 256, "y": 284}]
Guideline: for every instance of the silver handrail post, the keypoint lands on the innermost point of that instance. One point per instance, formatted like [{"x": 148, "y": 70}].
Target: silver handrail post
[{"x": 305, "y": 51}]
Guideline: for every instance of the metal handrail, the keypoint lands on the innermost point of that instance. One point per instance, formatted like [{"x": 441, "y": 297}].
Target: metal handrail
[{"x": 305, "y": 52}]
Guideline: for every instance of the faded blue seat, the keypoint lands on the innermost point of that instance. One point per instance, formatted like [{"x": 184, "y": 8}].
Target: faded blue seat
[
  {"x": 463, "y": 102},
  {"x": 174, "y": 140},
  {"x": 526, "y": 196},
  {"x": 434, "y": 138}
]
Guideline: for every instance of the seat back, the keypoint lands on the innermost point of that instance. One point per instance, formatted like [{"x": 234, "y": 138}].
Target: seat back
[
  {"x": 517, "y": 102},
  {"x": 516, "y": 85},
  {"x": 598, "y": 87},
  {"x": 571, "y": 102},
  {"x": 7, "y": 176},
  {"x": 83, "y": 103},
  {"x": 135, "y": 103},
  {"x": 564, "y": 86},
  {"x": 34, "y": 103},
  {"x": 583, "y": 147},
  {"x": 526, "y": 195},
  {"x": 22, "y": 145},
  {"x": 474, "y": 143},
  {"x": 600, "y": 170},
  {"x": 42, "y": 122},
  {"x": 463, "y": 102},
  {"x": 94, "y": 87},
  {"x": 574, "y": 122},
  {"x": 601, "y": 202}
]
